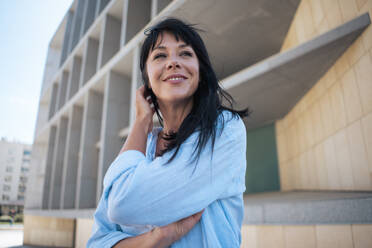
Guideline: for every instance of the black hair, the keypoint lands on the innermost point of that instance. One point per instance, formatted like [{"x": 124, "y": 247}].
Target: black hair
[{"x": 207, "y": 99}]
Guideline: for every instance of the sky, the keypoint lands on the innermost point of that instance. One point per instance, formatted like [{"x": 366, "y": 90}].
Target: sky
[{"x": 26, "y": 28}]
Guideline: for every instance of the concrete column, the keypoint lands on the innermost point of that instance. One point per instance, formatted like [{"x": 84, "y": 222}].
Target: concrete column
[
  {"x": 58, "y": 156},
  {"x": 53, "y": 100},
  {"x": 48, "y": 167},
  {"x": 66, "y": 37},
  {"x": 36, "y": 176},
  {"x": 139, "y": 14},
  {"x": 88, "y": 16},
  {"x": 89, "y": 61},
  {"x": 161, "y": 4},
  {"x": 61, "y": 97},
  {"x": 101, "y": 4},
  {"x": 136, "y": 83},
  {"x": 74, "y": 79},
  {"x": 109, "y": 42},
  {"x": 76, "y": 25},
  {"x": 154, "y": 8},
  {"x": 88, "y": 159},
  {"x": 69, "y": 175},
  {"x": 115, "y": 116},
  {"x": 124, "y": 21}
]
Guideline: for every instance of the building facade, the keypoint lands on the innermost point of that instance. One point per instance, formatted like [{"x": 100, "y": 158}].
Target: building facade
[
  {"x": 302, "y": 66},
  {"x": 15, "y": 160}
]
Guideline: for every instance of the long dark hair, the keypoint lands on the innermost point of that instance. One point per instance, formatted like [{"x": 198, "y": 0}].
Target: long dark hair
[{"x": 207, "y": 99}]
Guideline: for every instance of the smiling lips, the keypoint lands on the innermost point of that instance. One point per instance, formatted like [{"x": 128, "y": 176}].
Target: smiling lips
[{"x": 175, "y": 78}]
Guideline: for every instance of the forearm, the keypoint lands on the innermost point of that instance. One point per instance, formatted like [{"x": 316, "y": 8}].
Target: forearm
[
  {"x": 152, "y": 239},
  {"x": 137, "y": 137}
]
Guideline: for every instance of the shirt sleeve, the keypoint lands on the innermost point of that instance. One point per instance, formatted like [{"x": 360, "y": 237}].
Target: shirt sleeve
[
  {"x": 104, "y": 232},
  {"x": 144, "y": 192}
]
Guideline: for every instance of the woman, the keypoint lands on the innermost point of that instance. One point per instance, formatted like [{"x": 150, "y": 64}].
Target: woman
[{"x": 182, "y": 184}]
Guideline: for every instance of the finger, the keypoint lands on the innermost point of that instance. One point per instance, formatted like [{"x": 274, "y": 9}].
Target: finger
[{"x": 198, "y": 215}]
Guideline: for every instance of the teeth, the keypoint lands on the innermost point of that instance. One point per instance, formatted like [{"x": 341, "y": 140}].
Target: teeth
[{"x": 175, "y": 78}]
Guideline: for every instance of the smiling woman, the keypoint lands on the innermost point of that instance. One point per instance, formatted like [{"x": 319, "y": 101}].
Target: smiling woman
[{"x": 180, "y": 185}]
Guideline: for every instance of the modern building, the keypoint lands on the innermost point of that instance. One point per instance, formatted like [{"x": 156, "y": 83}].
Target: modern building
[
  {"x": 304, "y": 67},
  {"x": 15, "y": 160}
]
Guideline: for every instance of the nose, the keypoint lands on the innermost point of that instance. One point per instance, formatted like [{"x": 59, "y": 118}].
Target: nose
[{"x": 173, "y": 64}]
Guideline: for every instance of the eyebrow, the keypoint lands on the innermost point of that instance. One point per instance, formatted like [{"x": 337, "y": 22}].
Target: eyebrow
[{"x": 163, "y": 47}]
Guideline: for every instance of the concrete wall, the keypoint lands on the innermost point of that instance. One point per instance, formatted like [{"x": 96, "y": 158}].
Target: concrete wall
[
  {"x": 325, "y": 142},
  {"x": 48, "y": 231}
]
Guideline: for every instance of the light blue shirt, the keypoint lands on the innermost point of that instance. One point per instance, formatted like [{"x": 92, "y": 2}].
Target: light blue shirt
[{"x": 142, "y": 192}]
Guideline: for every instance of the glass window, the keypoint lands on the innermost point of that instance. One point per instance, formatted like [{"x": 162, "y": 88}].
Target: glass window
[
  {"x": 6, "y": 187},
  {"x": 8, "y": 178},
  {"x": 6, "y": 198},
  {"x": 21, "y": 188},
  {"x": 26, "y": 152},
  {"x": 23, "y": 179},
  {"x": 9, "y": 169}
]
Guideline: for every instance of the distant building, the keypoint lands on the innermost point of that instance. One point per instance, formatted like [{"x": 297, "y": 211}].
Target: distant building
[
  {"x": 302, "y": 66},
  {"x": 15, "y": 160}
]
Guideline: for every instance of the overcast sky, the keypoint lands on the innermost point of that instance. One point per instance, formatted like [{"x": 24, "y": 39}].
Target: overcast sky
[{"x": 26, "y": 28}]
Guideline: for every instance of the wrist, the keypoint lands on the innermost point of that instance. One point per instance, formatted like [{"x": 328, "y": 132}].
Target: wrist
[
  {"x": 143, "y": 122},
  {"x": 161, "y": 240}
]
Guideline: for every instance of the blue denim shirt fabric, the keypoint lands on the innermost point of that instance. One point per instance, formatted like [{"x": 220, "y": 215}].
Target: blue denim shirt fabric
[{"x": 142, "y": 192}]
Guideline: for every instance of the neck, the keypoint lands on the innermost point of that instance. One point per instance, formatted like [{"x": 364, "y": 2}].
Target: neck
[{"x": 174, "y": 114}]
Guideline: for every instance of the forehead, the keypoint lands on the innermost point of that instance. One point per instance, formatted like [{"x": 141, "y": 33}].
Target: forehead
[{"x": 167, "y": 39}]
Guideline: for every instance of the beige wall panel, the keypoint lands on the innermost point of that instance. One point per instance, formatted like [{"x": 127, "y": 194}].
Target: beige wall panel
[
  {"x": 83, "y": 232},
  {"x": 317, "y": 12},
  {"x": 300, "y": 236},
  {"x": 338, "y": 107},
  {"x": 309, "y": 131},
  {"x": 355, "y": 51},
  {"x": 312, "y": 169},
  {"x": 270, "y": 236},
  {"x": 326, "y": 112},
  {"x": 360, "y": 3},
  {"x": 358, "y": 156},
  {"x": 282, "y": 147},
  {"x": 367, "y": 34},
  {"x": 330, "y": 78},
  {"x": 48, "y": 231},
  {"x": 341, "y": 66},
  {"x": 249, "y": 236},
  {"x": 351, "y": 95},
  {"x": 321, "y": 167},
  {"x": 323, "y": 26},
  {"x": 316, "y": 121},
  {"x": 348, "y": 9},
  {"x": 362, "y": 236},
  {"x": 330, "y": 162},
  {"x": 334, "y": 236},
  {"x": 297, "y": 172},
  {"x": 343, "y": 160},
  {"x": 333, "y": 12},
  {"x": 367, "y": 134},
  {"x": 363, "y": 69},
  {"x": 304, "y": 174},
  {"x": 302, "y": 137}
]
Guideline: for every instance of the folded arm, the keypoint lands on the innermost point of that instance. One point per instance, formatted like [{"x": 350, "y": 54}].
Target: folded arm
[{"x": 146, "y": 192}]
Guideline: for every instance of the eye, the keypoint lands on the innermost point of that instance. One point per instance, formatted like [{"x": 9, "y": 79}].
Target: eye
[
  {"x": 186, "y": 53},
  {"x": 159, "y": 55}
]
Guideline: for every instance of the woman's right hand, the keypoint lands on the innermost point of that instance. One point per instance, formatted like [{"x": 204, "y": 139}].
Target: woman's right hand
[
  {"x": 175, "y": 231},
  {"x": 144, "y": 107},
  {"x": 161, "y": 237}
]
